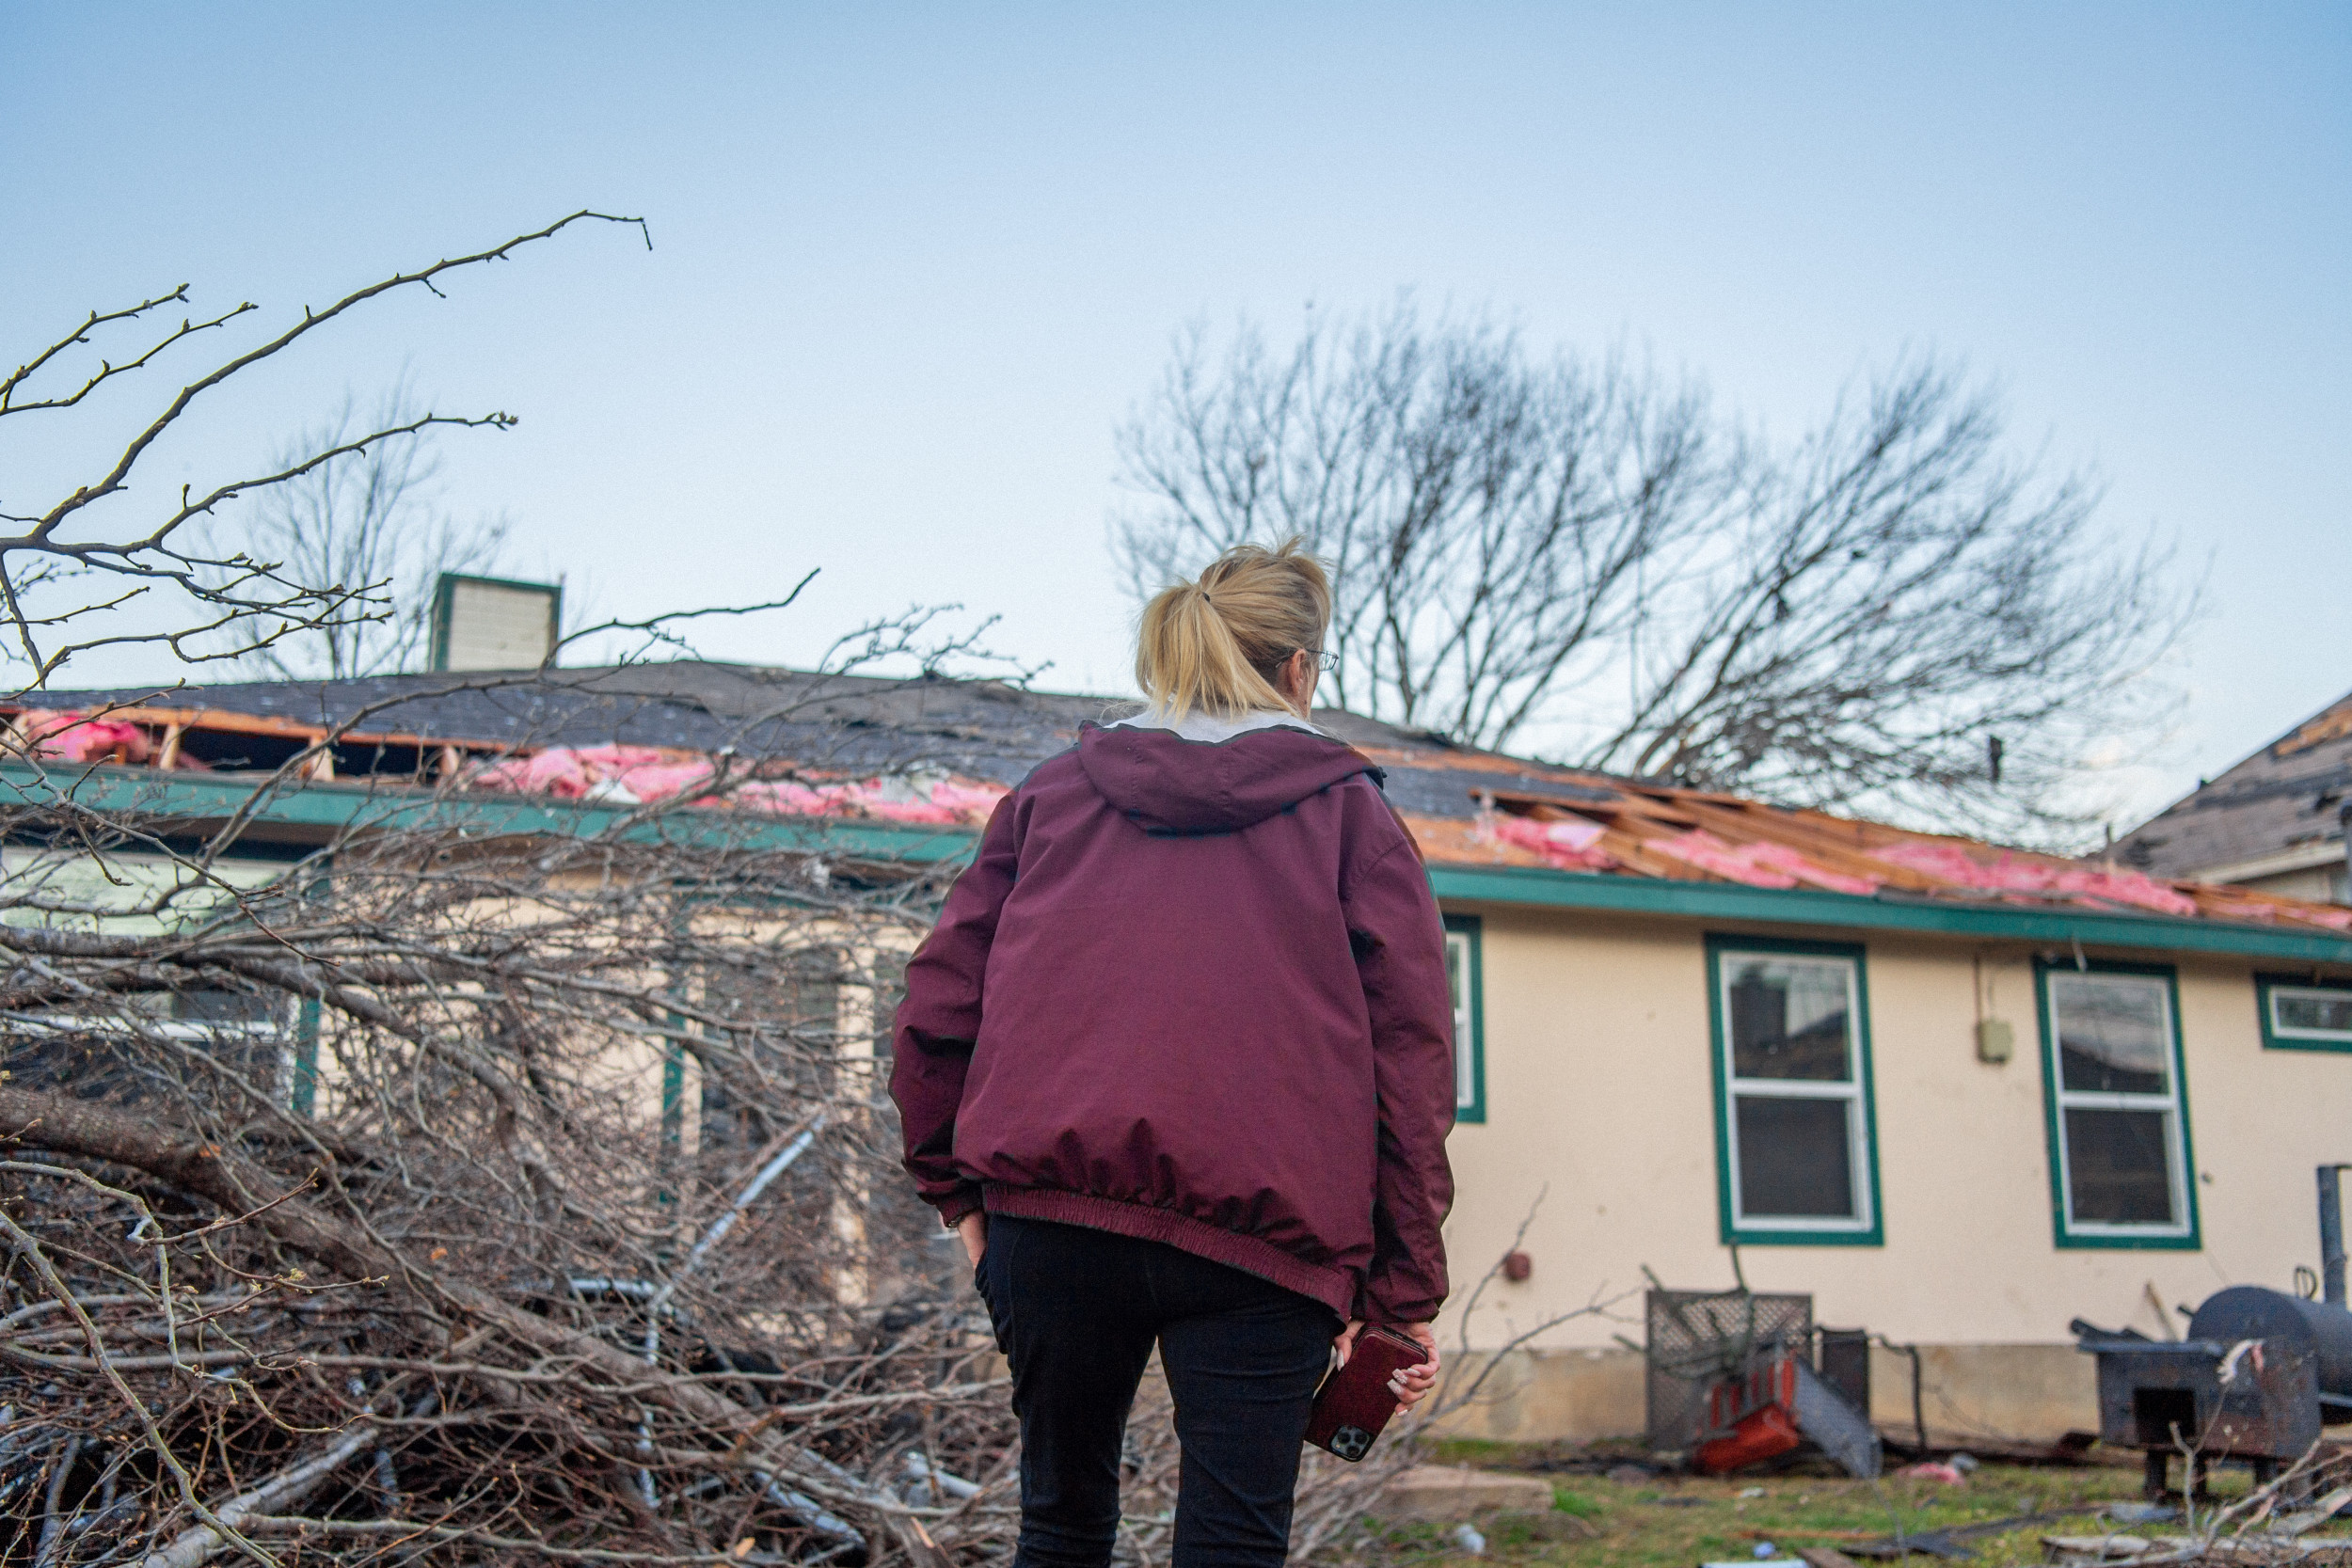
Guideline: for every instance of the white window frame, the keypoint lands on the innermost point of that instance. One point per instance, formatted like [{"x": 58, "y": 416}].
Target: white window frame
[
  {"x": 2275, "y": 1032},
  {"x": 2173, "y": 1104},
  {"x": 1861, "y": 1157},
  {"x": 134, "y": 879},
  {"x": 283, "y": 1032}
]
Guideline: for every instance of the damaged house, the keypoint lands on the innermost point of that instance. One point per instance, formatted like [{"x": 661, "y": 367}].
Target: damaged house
[
  {"x": 1958, "y": 1095},
  {"x": 2273, "y": 821}
]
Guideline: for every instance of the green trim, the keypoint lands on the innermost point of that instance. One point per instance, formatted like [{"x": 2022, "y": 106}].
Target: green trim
[
  {"x": 1475, "y": 962},
  {"x": 1883, "y": 912},
  {"x": 304, "y": 1092},
  {"x": 1730, "y": 1229},
  {"x": 2062, "y": 1236},
  {"x": 444, "y": 600},
  {"x": 673, "y": 1116},
  {"x": 2272, "y": 1041},
  {"x": 324, "y": 809}
]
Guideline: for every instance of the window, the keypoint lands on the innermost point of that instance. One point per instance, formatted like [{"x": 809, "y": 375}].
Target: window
[
  {"x": 2303, "y": 1014},
  {"x": 757, "y": 1081},
  {"x": 2118, "y": 1116},
  {"x": 97, "y": 1049},
  {"x": 1795, "y": 1134},
  {"x": 1465, "y": 979}
]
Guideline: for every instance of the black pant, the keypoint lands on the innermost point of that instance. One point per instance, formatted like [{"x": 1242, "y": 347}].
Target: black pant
[{"x": 1076, "y": 1311}]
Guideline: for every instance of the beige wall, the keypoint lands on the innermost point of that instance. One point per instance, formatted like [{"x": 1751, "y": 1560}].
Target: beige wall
[
  {"x": 1967, "y": 1393},
  {"x": 1598, "y": 1102}
]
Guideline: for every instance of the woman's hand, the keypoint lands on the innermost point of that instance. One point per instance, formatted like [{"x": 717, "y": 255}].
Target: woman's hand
[
  {"x": 972, "y": 1230},
  {"x": 1412, "y": 1383}
]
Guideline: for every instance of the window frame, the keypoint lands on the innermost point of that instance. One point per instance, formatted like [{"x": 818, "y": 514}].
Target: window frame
[
  {"x": 2274, "y": 1039},
  {"x": 1470, "y": 1045},
  {"x": 2188, "y": 1235},
  {"x": 1870, "y": 1228},
  {"x": 296, "y": 1030}
]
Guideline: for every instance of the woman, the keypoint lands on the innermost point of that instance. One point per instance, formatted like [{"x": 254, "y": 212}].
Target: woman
[{"x": 1177, "y": 1064}]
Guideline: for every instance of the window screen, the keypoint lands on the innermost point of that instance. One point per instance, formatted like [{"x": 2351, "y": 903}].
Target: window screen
[
  {"x": 2305, "y": 1017},
  {"x": 2119, "y": 1139},
  {"x": 1795, "y": 1119}
]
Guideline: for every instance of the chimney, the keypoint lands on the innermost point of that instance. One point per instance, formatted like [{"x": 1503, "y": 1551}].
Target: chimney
[{"x": 493, "y": 624}]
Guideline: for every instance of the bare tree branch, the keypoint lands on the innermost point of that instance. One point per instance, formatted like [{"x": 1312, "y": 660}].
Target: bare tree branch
[
  {"x": 240, "y": 605},
  {"x": 1586, "y": 558}
]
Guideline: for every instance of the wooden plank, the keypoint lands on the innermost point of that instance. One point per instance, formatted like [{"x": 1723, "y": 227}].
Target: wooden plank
[{"x": 1765, "y": 824}]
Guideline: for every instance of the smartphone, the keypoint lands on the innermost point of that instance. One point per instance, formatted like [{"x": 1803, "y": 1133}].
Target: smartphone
[{"x": 1353, "y": 1403}]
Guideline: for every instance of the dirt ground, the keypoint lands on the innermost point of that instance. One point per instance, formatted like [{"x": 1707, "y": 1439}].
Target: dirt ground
[{"x": 1676, "y": 1522}]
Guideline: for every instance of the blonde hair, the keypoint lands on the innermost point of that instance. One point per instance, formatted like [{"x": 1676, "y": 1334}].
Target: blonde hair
[{"x": 1216, "y": 644}]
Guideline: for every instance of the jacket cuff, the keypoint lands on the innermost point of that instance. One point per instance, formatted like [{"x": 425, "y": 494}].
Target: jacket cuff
[
  {"x": 956, "y": 1205},
  {"x": 1373, "y": 1305}
]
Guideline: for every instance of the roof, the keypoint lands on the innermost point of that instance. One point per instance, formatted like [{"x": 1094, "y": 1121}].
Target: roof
[
  {"x": 2285, "y": 797},
  {"x": 1492, "y": 827}
]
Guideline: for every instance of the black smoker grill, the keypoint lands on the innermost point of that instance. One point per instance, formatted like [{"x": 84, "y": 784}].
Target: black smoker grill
[{"x": 2258, "y": 1376}]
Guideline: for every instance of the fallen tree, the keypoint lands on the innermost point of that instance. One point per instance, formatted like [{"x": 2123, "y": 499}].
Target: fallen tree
[{"x": 449, "y": 1182}]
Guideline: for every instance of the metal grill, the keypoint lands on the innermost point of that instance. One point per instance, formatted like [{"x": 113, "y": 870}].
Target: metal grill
[{"x": 1695, "y": 1337}]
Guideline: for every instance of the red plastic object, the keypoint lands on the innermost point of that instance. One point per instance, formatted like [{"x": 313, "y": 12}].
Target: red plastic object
[
  {"x": 1770, "y": 1380},
  {"x": 1764, "y": 1434}
]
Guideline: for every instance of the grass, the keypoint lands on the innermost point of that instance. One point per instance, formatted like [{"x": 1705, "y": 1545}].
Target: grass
[{"x": 1675, "y": 1522}]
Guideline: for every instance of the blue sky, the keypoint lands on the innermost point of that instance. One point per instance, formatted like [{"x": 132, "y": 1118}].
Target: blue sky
[{"x": 913, "y": 263}]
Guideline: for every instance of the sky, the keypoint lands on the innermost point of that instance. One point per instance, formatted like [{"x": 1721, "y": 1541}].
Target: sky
[{"x": 913, "y": 264}]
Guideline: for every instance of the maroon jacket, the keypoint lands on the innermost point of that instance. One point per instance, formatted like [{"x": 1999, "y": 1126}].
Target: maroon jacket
[{"x": 1195, "y": 994}]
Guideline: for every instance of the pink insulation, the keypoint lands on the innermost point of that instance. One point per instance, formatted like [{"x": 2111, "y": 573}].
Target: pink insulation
[
  {"x": 1757, "y": 864},
  {"x": 631, "y": 775},
  {"x": 1567, "y": 845},
  {"x": 2008, "y": 872},
  {"x": 79, "y": 739}
]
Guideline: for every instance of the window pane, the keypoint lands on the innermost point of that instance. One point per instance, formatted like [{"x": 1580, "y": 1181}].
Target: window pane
[
  {"x": 2116, "y": 1166},
  {"x": 1788, "y": 1018},
  {"x": 2315, "y": 1011},
  {"x": 228, "y": 1008},
  {"x": 2112, "y": 1036},
  {"x": 1795, "y": 1158}
]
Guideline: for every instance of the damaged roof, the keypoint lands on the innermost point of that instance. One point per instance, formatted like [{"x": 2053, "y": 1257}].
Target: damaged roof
[
  {"x": 2285, "y": 797},
  {"x": 845, "y": 746}
]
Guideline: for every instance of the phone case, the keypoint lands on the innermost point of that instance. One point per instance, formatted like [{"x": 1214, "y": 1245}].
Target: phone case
[{"x": 1353, "y": 1403}]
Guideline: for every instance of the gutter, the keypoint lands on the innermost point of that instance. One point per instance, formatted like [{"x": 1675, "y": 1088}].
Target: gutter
[{"x": 1542, "y": 888}]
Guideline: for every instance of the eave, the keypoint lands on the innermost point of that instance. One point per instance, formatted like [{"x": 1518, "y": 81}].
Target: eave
[
  {"x": 1539, "y": 887},
  {"x": 316, "y": 813}
]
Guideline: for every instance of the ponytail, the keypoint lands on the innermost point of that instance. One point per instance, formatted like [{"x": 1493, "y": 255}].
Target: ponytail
[{"x": 1216, "y": 644}]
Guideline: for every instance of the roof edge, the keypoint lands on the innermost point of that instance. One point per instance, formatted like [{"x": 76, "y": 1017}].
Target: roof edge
[{"x": 1542, "y": 888}]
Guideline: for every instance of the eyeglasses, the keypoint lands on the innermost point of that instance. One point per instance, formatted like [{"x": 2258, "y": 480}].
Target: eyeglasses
[{"x": 1325, "y": 662}]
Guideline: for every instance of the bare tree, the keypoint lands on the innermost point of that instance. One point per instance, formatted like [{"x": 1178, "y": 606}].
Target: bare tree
[
  {"x": 440, "y": 1269},
  {"x": 370, "y": 522},
  {"x": 1587, "y": 557}
]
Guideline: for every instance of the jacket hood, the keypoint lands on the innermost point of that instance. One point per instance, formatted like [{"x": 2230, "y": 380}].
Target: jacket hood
[{"x": 1172, "y": 786}]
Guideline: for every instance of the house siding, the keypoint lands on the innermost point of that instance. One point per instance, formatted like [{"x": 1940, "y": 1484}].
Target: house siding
[{"x": 1599, "y": 1120}]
